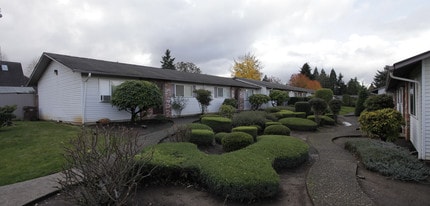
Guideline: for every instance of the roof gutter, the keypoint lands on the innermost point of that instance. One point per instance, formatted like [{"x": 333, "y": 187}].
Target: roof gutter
[{"x": 84, "y": 99}]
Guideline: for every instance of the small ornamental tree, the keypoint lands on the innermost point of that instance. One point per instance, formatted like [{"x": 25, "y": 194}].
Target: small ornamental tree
[
  {"x": 178, "y": 104},
  {"x": 318, "y": 106},
  {"x": 378, "y": 102},
  {"x": 335, "y": 106},
  {"x": 256, "y": 100},
  {"x": 278, "y": 97},
  {"x": 325, "y": 94},
  {"x": 204, "y": 98},
  {"x": 135, "y": 96}
]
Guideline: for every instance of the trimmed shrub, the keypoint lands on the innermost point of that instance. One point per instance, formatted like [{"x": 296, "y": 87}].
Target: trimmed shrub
[
  {"x": 226, "y": 111},
  {"x": 293, "y": 100},
  {"x": 252, "y": 130},
  {"x": 335, "y": 106},
  {"x": 218, "y": 124},
  {"x": 272, "y": 109},
  {"x": 318, "y": 106},
  {"x": 236, "y": 140},
  {"x": 271, "y": 117},
  {"x": 388, "y": 160},
  {"x": 256, "y": 100},
  {"x": 202, "y": 137},
  {"x": 209, "y": 115},
  {"x": 204, "y": 98},
  {"x": 232, "y": 102},
  {"x": 324, "y": 120},
  {"x": 384, "y": 124},
  {"x": 300, "y": 114},
  {"x": 245, "y": 174},
  {"x": 284, "y": 113},
  {"x": 272, "y": 123},
  {"x": 219, "y": 136},
  {"x": 378, "y": 102},
  {"x": 359, "y": 106},
  {"x": 199, "y": 126},
  {"x": 325, "y": 94},
  {"x": 278, "y": 97},
  {"x": 248, "y": 118},
  {"x": 277, "y": 130},
  {"x": 303, "y": 107},
  {"x": 300, "y": 124}
]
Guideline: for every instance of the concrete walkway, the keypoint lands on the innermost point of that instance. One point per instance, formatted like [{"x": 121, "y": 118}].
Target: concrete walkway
[
  {"x": 28, "y": 191},
  {"x": 332, "y": 178}
]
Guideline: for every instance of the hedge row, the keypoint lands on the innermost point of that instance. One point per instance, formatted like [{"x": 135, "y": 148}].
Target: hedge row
[
  {"x": 300, "y": 124},
  {"x": 218, "y": 124},
  {"x": 244, "y": 174}
]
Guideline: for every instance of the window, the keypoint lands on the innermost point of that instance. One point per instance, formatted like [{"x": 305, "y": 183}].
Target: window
[
  {"x": 183, "y": 90},
  {"x": 219, "y": 92},
  {"x": 4, "y": 67},
  {"x": 412, "y": 99},
  {"x": 106, "y": 88},
  {"x": 249, "y": 92}
]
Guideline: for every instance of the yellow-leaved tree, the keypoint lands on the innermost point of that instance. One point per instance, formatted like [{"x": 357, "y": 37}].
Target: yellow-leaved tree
[{"x": 248, "y": 66}]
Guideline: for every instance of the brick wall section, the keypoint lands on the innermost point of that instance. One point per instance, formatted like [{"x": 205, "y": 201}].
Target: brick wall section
[{"x": 167, "y": 95}]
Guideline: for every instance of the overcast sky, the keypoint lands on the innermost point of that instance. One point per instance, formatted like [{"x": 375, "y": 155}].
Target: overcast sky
[{"x": 356, "y": 38}]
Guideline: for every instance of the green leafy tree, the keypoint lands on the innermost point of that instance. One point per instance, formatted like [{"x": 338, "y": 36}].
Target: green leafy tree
[
  {"x": 187, "y": 67},
  {"x": 167, "y": 61},
  {"x": 319, "y": 106},
  {"x": 325, "y": 94},
  {"x": 256, "y": 100},
  {"x": 136, "y": 96},
  {"x": 247, "y": 66},
  {"x": 380, "y": 78},
  {"x": 359, "y": 106},
  {"x": 335, "y": 106},
  {"x": 353, "y": 87},
  {"x": 278, "y": 97},
  {"x": 204, "y": 98}
]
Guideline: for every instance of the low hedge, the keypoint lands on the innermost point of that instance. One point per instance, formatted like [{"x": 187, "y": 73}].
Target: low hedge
[
  {"x": 325, "y": 120},
  {"x": 219, "y": 136},
  {"x": 272, "y": 123},
  {"x": 248, "y": 118},
  {"x": 201, "y": 137},
  {"x": 277, "y": 130},
  {"x": 388, "y": 159},
  {"x": 199, "y": 126},
  {"x": 300, "y": 124},
  {"x": 236, "y": 140},
  {"x": 252, "y": 130},
  {"x": 218, "y": 124},
  {"x": 284, "y": 113},
  {"x": 245, "y": 174},
  {"x": 272, "y": 109}
]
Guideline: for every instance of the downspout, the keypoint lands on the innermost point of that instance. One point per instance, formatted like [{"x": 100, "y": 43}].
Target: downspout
[
  {"x": 84, "y": 99},
  {"x": 418, "y": 88}
]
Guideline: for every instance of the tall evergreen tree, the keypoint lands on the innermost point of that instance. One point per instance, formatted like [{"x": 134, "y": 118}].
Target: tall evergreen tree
[
  {"x": 167, "y": 61},
  {"x": 353, "y": 87},
  {"x": 380, "y": 78},
  {"x": 265, "y": 79},
  {"x": 324, "y": 79},
  {"x": 306, "y": 70},
  {"x": 315, "y": 74},
  {"x": 341, "y": 85},
  {"x": 333, "y": 80}
]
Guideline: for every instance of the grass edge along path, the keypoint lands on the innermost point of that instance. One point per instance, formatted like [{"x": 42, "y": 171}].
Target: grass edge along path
[
  {"x": 245, "y": 174},
  {"x": 32, "y": 149}
]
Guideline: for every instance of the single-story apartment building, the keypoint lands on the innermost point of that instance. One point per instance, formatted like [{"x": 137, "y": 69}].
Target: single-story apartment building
[
  {"x": 78, "y": 90},
  {"x": 409, "y": 81}
]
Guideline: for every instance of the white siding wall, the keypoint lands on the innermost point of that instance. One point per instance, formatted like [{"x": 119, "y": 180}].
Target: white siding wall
[
  {"x": 60, "y": 94},
  {"x": 94, "y": 108},
  {"x": 425, "y": 110}
]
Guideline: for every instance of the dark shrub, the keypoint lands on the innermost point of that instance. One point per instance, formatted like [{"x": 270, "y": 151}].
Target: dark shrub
[
  {"x": 378, "y": 102},
  {"x": 231, "y": 102},
  {"x": 218, "y": 124},
  {"x": 384, "y": 124},
  {"x": 252, "y": 130},
  {"x": 271, "y": 117},
  {"x": 6, "y": 115},
  {"x": 293, "y": 100},
  {"x": 256, "y": 100},
  {"x": 318, "y": 106},
  {"x": 359, "y": 106},
  {"x": 325, "y": 94},
  {"x": 272, "y": 123},
  {"x": 300, "y": 114},
  {"x": 202, "y": 137},
  {"x": 277, "y": 130},
  {"x": 335, "y": 106},
  {"x": 236, "y": 140},
  {"x": 324, "y": 120},
  {"x": 199, "y": 126},
  {"x": 278, "y": 97},
  {"x": 303, "y": 107},
  {"x": 219, "y": 136},
  {"x": 248, "y": 118},
  {"x": 272, "y": 109},
  {"x": 301, "y": 124},
  {"x": 226, "y": 111}
]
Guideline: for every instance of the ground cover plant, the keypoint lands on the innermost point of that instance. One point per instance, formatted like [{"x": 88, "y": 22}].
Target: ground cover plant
[
  {"x": 245, "y": 174},
  {"x": 32, "y": 149},
  {"x": 388, "y": 159},
  {"x": 295, "y": 123}
]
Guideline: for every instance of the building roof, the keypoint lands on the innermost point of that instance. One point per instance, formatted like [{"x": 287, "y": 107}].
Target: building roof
[
  {"x": 273, "y": 85},
  {"x": 404, "y": 67},
  {"x": 17, "y": 90},
  {"x": 116, "y": 69},
  {"x": 11, "y": 74}
]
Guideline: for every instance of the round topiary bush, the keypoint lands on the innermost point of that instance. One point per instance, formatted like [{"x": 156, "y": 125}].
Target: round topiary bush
[
  {"x": 199, "y": 126},
  {"x": 252, "y": 130},
  {"x": 219, "y": 136},
  {"x": 300, "y": 124},
  {"x": 218, "y": 124},
  {"x": 284, "y": 113},
  {"x": 236, "y": 140},
  {"x": 201, "y": 137},
  {"x": 226, "y": 111},
  {"x": 303, "y": 107},
  {"x": 272, "y": 123},
  {"x": 277, "y": 130}
]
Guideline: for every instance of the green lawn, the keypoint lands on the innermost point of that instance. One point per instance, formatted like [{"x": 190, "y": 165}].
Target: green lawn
[
  {"x": 345, "y": 110},
  {"x": 32, "y": 149}
]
